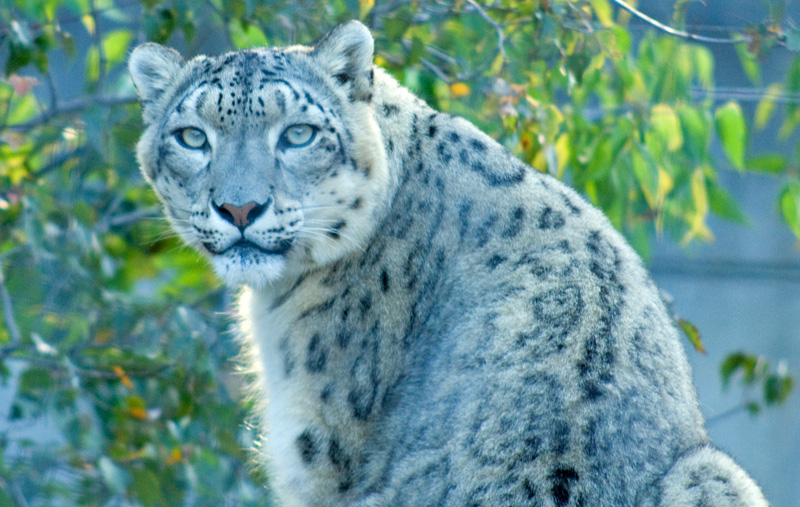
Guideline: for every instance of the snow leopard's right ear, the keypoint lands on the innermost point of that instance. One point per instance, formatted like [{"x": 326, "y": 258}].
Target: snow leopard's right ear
[
  {"x": 153, "y": 69},
  {"x": 346, "y": 53}
]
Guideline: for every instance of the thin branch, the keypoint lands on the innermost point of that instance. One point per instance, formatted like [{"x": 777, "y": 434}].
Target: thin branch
[
  {"x": 72, "y": 107},
  {"x": 742, "y": 94},
  {"x": 501, "y": 38},
  {"x": 59, "y": 160},
  {"x": 101, "y": 53},
  {"x": 724, "y": 415},
  {"x": 135, "y": 216},
  {"x": 679, "y": 33}
]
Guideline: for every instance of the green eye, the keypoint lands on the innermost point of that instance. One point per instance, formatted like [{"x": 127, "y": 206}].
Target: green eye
[
  {"x": 299, "y": 135},
  {"x": 192, "y": 138}
]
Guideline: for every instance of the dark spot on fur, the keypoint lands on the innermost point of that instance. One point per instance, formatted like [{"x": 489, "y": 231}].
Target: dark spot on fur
[
  {"x": 317, "y": 355},
  {"x": 477, "y": 145},
  {"x": 390, "y": 110},
  {"x": 562, "y": 481},
  {"x": 336, "y": 229},
  {"x": 495, "y": 260},
  {"x": 515, "y": 222},
  {"x": 342, "y": 462},
  {"x": 306, "y": 446},
  {"x": 551, "y": 219}
]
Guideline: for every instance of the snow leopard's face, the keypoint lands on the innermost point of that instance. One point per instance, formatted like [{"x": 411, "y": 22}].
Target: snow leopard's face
[{"x": 266, "y": 160}]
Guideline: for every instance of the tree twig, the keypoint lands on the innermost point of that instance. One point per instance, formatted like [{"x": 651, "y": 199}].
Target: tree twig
[
  {"x": 501, "y": 38},
  {"x": 679, "y": 33},
  {"x": 726, "y": 414},
  {"x": 72, "y": 107}
]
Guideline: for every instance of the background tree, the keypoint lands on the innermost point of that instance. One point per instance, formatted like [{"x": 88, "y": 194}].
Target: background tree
[{"x": 115, "y": 334}]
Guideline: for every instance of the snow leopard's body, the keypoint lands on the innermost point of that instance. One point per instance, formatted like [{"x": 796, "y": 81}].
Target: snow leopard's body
[{"x": 433, "y": 322}]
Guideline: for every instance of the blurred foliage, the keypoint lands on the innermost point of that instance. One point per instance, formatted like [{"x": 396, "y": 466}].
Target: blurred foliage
[{"x": 117, "y": 338}]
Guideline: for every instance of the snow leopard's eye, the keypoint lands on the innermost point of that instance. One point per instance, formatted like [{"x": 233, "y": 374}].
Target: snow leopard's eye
[
  {"x": 192, "y": 138},
  {"x": 298, "y": 136}
]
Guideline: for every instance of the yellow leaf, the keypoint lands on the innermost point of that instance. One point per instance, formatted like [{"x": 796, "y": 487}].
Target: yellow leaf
[
  {"x": 563, "y": 153},
  {"x": 665, "y": 186},
  {"x": 666, "y": 123},
  {"x": 591, "y": 191},
  {"x": 697, "y": 219},
  {"x": 88, "y": 22},
  {"x": 603, "y": 12},
  {"x": 497, "y": 65},
  {"x": 699, "y": 192},
  {"x": 138, "y": 413},
  {"x": 123, "y": 377},
  {"x": 459, "y": 89},
  {"x": 174, "y": 456},
  {"x": 540, "y": 162},
  {"x": 102, "y": 336},
  {"x": 364, "y": 6}
]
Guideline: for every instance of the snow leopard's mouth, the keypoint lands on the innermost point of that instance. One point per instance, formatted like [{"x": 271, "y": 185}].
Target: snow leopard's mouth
[{"x": 244, "y": 248}]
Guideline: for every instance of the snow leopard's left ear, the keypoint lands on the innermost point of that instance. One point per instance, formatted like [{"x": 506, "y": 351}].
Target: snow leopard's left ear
[
  {"x": 346, "y": 53},
  {"x": 154, "y": 68}
]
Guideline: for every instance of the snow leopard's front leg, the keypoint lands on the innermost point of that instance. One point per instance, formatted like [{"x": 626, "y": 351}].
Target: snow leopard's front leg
[{"x": 706, "y": 477}]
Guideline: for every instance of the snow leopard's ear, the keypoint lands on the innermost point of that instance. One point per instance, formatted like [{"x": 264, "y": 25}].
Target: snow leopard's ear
[
  {"x": 346, "y": 53},
  {"x": 153, "y": 69}
]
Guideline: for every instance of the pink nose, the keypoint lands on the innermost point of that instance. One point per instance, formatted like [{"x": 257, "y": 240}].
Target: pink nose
[{"x": 240, "y": 216}]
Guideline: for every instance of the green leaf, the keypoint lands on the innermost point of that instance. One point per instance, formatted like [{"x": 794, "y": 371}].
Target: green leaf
[
  {"x": 247, "y": 36},
  {"x": 725, "y": 206},
  {"x": 18, "y": 57},
  {"x": 35, "y": 379},
  {"x": 777, "y": 389},
  {"x": 767, "y": 105},
  {"x": 147, "y": 488},
  {"x": 771, "y": 163},
  {"x": 666, "y": 123},
  {"x": 695, "y": 126},
  {"x": 704, "y": 65},
  {"x": 789, "y": 202},
  {"x": 749, "y": 64},
  {"x": 732, "y": 131},
  {"x": 115, "y": 46},
  {"x": 395, "y": 26},
  {"x": 92, "y": 64},
  {"x": 160, "y": 25},
  {"x": 22, "y": 110},
  {"x": 735, "y": 362}
]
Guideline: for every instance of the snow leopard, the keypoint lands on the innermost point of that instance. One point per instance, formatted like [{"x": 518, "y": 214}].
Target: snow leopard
[{"x": 430, "y": 321}]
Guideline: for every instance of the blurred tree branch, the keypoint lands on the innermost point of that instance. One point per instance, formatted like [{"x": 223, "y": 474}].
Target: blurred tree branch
[
  {"x": 679, "y": 33},
  {"x": 70, "y": 108}
]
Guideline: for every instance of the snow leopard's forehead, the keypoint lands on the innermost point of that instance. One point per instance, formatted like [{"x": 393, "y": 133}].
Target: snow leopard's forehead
[{"x": 254, "y": 87}]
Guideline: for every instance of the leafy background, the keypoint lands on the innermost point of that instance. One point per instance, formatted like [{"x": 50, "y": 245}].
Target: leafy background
[{"x": 116, "y": 344}]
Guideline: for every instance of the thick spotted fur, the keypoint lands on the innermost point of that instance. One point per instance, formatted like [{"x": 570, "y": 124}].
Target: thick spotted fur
[{"x": 432, "y": 322}]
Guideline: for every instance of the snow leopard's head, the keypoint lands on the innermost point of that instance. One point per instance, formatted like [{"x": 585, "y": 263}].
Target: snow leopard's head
[{"x": 267, "y": 160}]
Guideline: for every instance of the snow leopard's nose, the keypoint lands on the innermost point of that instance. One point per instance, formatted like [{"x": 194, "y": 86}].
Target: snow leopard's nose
[{"x": 240, "y": 216}]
